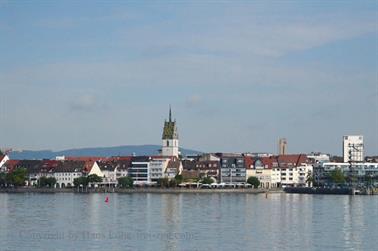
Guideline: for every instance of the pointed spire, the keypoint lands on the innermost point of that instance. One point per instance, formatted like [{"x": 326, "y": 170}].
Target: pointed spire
[{"x": 170, "y": 114}]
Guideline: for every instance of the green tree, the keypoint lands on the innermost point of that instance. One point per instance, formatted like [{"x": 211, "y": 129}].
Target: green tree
[
  {"x": 163, "y": 182},
  {"x": 253, "y": 181},
  {"x": 17, "y": 177},
  {"x": 179, "y": 179},
  {"x": 46, "y": 181},
  {"x": 310, "y": 179},
  {"x": 126, "y": 182},
  {"x": 3, "y": 180},
  {"x": 42, "y": 181},
  {"x": 337, "y": 176},
  {"x": 83, "y": 181},
  {"x": 173, "y": 183},
  {"x": 207, "y": 180},
  {"x": 94, "y": 178}
]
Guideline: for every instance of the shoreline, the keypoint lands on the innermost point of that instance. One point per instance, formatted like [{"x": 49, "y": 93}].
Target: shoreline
[
  {"x": 137, "y": 190},
  {"x": 184, "y": 190}
]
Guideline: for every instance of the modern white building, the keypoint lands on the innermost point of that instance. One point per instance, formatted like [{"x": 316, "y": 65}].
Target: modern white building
[
  {"x": 170, "y": 138},
  {"x": 158, "y": 166},
  {"x": 353, "y": 148},
  {"x": 140, "y": 170},
  {"x": 357, "y": 170}
]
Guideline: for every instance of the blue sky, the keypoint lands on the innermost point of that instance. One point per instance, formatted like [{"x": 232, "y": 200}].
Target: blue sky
[{"x": 238, "y": 74}]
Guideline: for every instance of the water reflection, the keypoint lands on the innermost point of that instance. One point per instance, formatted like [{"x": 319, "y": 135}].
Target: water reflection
[
  {"x": 215, "y": 221},
  {"x": 171, "y": 214}
]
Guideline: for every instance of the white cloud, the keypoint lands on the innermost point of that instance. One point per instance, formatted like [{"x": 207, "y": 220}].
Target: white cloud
[
  {"x": 86, "y": 102},
  {"x": 248, "y": 34},
  {"x": 193, "y": 100}
]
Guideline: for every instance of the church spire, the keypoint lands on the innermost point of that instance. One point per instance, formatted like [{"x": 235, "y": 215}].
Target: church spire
[
  {"x": 170, "y": 114},
  {"x": 170, "y": 128}
]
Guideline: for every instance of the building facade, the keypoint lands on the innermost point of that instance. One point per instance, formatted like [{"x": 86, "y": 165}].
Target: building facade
[
  {"x": 363, "y": 172},
  {"x": 353, "y": 148},
  {"x": 140, "y": 170},
  {"x": 66, "y": 172},
  {"x": 232, "y": 168}
]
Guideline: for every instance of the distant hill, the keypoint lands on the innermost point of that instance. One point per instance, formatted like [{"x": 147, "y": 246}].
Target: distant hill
[{"x": 96, "y": 151}]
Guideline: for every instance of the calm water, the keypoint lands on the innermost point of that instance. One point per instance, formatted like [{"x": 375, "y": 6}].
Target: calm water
[{"x": 188, "y": 222}]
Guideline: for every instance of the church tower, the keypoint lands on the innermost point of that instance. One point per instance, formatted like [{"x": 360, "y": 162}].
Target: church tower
[{"x": 170, "y": 137}]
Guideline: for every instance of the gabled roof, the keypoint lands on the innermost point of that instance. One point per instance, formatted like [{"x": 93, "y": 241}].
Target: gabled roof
[
  {"x": 70, "y": 166},
  {"x": 107, "y": 165},
  {"x": 248, "y": 162},
  {"x": 49, "y": 165},
  {"x": 173, "y": 164},
  {"x": 88, "y": 166},
  {"x": 11, "y": 164},
  {"x": 2, "y": 157},
  {"x": 291, "y": 160},
  {"x": 32, "y": 166}
]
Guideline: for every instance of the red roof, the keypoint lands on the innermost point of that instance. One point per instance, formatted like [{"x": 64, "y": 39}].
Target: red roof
[
  {"x": 282, "y": 161},
  {"x": 88, "y": 166},
  {"x": 248, "y": 162},
  {"x": 293, "y": 159},
  {"x": 267, "y": 162},
  {"x": 11, "y": 164},
  {"x": 2, "y": 157},
  {"x": 50, "y": 164}
]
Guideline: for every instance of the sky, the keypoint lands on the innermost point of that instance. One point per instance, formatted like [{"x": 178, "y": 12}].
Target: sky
[{"x": 238, "y": 74}]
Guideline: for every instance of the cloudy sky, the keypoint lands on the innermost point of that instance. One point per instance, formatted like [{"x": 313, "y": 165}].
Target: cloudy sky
[{"x": 238, "y": 74}]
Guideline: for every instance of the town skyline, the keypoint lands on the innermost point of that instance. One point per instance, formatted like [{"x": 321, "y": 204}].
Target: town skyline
[{"x": 239, "y": 76}]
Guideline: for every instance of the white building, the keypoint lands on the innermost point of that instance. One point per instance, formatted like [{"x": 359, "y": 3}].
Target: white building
[
  {"x": 174, "y": 167},
  {"x": 140, "y": 170},
  {"x": 3, "y": 160},
  {"x": 357, "y": 170},
  {"x": 109, "y": 172},
  {"x": 353, "y": 148},
  {"x": 291, "y": 170},
  {"x": 95, "y": 169},
  {"x": 170, "y": 138},
  {"x": 158, "y": 167},
  {"x": 318, "y": 157},
  {"x": 296, "y": 175},
  {"x": 67, "y": 172}
]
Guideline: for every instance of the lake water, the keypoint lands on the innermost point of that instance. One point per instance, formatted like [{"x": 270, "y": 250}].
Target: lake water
[{"x": 187, "y": 222}]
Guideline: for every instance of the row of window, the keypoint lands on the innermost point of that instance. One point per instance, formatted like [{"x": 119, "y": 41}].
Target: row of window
[
  {"x": 67, "y": 174},
  {"x": 283, "y": 178}
]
